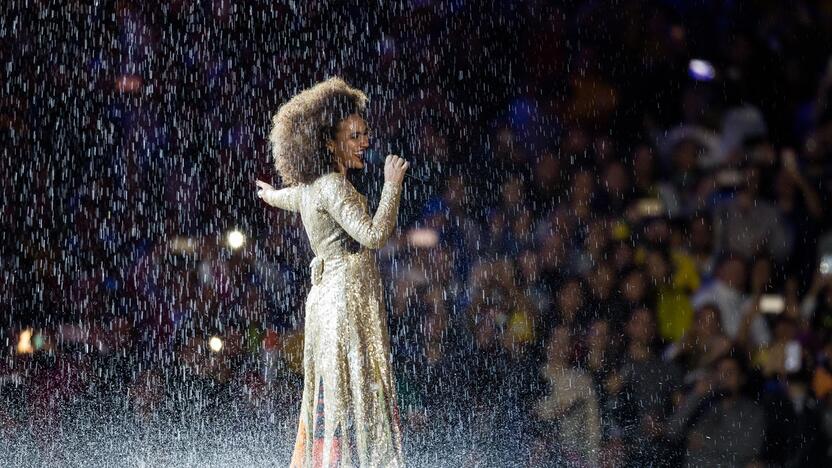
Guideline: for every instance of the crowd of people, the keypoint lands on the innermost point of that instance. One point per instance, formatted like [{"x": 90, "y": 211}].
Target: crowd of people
[{"x": 617, "y": 257}]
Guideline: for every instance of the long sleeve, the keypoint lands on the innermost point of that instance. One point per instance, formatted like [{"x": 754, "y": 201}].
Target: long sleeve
[
  {"x": 343, "y": 203},
  {"x": 286, "y": 198}
]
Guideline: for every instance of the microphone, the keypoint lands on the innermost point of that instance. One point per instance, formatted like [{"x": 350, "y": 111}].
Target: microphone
[
  {"x": 415, "y": 177},
  {"x": 375, "y": 156}
]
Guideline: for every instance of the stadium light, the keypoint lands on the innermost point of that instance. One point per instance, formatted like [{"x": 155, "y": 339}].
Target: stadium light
[
  {"x": 215, "y": 343},
  {"x": 701, "y": 70},
  {"x": 24, "y": 343},
  {"x": 235, "y": 239}
]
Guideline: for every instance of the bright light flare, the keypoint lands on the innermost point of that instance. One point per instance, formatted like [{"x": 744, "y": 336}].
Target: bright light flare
[
  {"x": 24, "y": 343},
  {"x": 235, "y": 239},
  {"x": 215, "y": 343},
  {"x": 701, "y": 70}
]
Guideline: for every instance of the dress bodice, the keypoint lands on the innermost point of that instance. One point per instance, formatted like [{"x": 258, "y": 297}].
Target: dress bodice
[{"x": 335, "y": 214}]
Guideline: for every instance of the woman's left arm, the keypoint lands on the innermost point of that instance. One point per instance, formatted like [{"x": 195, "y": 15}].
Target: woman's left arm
[{"x": 341, "y": 200}]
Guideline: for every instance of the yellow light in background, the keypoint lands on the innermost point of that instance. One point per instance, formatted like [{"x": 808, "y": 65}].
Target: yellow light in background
[
  {"x": 215, "y": 344},
  {"x": 24, "y": 343},
  {"x": 235, "y": 239}
]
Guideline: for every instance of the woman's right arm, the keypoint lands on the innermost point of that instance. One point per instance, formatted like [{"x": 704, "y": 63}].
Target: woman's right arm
[{"x": 285, "y": 198}]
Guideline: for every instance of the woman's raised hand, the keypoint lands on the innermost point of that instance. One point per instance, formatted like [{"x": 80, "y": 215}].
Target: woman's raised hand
[
  {"x": 394, "y": 169},
  {"x": 262, "y": 188}
]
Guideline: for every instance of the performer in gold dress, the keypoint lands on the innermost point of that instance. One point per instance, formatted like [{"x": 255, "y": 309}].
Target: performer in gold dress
[{"x": 348, "y": 414}]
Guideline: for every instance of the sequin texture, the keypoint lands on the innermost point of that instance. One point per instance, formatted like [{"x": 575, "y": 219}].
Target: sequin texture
[{"x": 346, "y": 341}]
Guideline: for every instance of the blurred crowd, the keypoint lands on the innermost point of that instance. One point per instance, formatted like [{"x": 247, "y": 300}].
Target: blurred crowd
[{"x": 620, "y": 255}]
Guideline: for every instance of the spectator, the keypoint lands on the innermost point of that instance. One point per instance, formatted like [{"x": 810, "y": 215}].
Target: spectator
[
  {"x": 570, "y": 306},
  {"x": 816, "y": 307},
  {"x": 547, "y": 183},
  {"x": 601, "y": 361},
  {"x": 749, "y": 226},
  {"x": 719, "y": 425},
  {"x": 643, "y": 387},
  {"x": 605, "y": 301},
  {"x": 700, "y": 238},
  {"x": 117, "y": 303},
  {"x": 615, "y": 189},
  {"x": 570, "y": 404},
  {"x": 674, "y": 312},
  {"x": 802, "y": 210},
  {"x": 636, "y": 289},
  {"x": 795, "y": 435},
  {"x": 702, "y": 344},
  {"x": 727, "y": 292},
  {"x": 502, "y": 329},
  {"x": 532, "y": 283},
  {"x": 775, "y": 359}
]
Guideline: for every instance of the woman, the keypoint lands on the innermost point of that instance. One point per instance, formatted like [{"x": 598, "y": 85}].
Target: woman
[{"x": 348, "y": 410}]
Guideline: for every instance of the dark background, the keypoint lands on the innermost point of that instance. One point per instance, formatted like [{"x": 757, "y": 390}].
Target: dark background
[{"x": 538, "y": 127}]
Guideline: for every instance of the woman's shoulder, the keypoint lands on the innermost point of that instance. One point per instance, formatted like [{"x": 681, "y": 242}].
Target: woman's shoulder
[
  {"x": 329, "y": 177},
  {"x": 333, "y": 185},
  {"x": 332, "y": 180}
]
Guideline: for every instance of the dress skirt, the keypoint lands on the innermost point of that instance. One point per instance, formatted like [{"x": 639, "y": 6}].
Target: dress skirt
[{"x": 348, "y": 414}]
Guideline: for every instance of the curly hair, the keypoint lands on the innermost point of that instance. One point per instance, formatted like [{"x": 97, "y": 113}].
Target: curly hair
[{"x": 303, "y": 125}]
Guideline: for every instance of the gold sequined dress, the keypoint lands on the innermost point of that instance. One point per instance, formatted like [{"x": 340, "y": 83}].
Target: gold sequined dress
[{"x": 348, "y": 414}]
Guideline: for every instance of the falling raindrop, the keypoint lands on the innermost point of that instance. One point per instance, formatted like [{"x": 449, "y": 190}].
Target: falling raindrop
[{"x": 614, "y": 249}]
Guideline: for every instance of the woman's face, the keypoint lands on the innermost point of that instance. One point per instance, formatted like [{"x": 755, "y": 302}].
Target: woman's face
[
  {"x": 351, "y": 139},
  {"x": 707, "y": 322}
]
